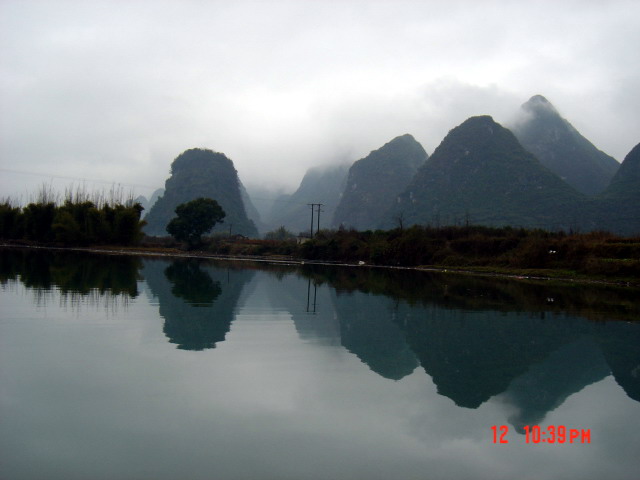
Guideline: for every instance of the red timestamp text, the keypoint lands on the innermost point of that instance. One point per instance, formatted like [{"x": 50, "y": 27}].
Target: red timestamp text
[{"x": 552, "y": 434}]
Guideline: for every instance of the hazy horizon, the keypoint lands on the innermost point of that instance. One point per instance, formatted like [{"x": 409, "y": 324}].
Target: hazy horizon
[{"x": 99, "y": 93}]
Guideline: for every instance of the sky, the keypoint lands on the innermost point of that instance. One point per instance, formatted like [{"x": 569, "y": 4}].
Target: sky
[{"x": 103, "y": 93}]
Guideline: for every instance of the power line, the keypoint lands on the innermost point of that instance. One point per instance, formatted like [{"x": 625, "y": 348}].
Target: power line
[
  {"x": 292, "y": 202},
  {"x": 113, "y": 182},
  {"x": 139, "y": 185},
  {"x": 51, "y": 175}
]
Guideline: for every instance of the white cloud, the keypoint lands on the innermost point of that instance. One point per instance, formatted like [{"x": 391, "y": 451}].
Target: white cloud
[{"x": 116, "y": 90}]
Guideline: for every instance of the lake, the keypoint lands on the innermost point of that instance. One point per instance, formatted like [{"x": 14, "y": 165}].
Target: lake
[{"x": 124, "y": 367}]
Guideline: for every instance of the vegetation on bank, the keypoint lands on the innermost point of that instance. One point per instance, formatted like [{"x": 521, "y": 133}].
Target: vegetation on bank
[
  {"x": 595, "y": 253},
  {"x": 77, "y": 220},
  {"x": 81, "y": 221},
  {"x": 486, "y": 249}
]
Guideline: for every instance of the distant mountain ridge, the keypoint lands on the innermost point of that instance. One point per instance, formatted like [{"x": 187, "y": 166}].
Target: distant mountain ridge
[
  {"x": 319, "y": 185},
  {"x": 376, "y": 180},
  {"x": 481, "y": 174},
  {"x": 544, "y": 174},
  {"x": 250, "y": 209},
  {"x": 562, "y": 149},
  {"x": 148, "y": 204}
]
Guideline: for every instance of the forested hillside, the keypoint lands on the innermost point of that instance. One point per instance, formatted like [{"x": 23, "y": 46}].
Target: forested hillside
[
  {"x": 480, "y": 174},
  {"x": 375, "y": 181}
]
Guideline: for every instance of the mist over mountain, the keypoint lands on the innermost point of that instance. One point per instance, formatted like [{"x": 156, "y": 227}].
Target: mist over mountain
[
  {"x": 148, "y": 204},
  {"x": 482, "y": 175},
  {"x": 543, "y": 175},
  {"x": 202, "y": 173},
  {"x": 263, "y": 197},
  {"x": 250, "y": 208},
  {"x": 376, "y": 180},
  {"x": 319, "y": 185},
  {"x": 562, "y": 149}
]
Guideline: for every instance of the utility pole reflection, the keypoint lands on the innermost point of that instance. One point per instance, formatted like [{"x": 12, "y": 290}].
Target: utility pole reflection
[{"x": 311, "y": 307}]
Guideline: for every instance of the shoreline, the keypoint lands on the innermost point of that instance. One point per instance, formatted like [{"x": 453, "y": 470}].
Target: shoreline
[{"x": 498, "y": 272}]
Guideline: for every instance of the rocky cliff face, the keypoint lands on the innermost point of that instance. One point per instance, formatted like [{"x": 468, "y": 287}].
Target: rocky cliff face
[{"x": 202, "y": 173}]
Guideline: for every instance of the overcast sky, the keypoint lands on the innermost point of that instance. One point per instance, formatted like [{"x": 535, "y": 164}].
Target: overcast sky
[{"x": 115, "y": 90}]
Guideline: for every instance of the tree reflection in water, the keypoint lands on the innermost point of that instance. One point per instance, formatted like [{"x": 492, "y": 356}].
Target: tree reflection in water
[{"x": 197, "y": 301}]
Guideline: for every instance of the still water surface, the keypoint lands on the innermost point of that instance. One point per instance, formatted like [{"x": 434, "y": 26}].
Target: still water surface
[{"x": 128, "y": 368}]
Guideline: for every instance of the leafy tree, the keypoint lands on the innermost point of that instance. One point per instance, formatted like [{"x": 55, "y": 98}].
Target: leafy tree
[
  {"x": 126, "y": 225},
  {"x": 66, "y": 228},
  {"x": 38, "y": 220},
  {"x": 195, "y": 218}
]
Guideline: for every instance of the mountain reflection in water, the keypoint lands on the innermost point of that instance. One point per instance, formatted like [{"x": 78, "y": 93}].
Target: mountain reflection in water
[
  {"x": 196, "y": 301},
  {"x": 531, "y": 345}
]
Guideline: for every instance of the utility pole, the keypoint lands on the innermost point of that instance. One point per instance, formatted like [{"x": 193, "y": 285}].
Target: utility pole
[
  {"x": 319, "y": 206},
  {"x": 311, "y": 205}
]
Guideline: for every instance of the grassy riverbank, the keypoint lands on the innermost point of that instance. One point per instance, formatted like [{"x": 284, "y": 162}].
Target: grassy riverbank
[{"x": 506, "y": 251}]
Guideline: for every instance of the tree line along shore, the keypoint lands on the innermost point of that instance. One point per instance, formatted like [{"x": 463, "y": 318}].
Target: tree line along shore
[{"x": 85, "y": 223}]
